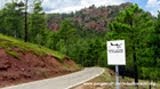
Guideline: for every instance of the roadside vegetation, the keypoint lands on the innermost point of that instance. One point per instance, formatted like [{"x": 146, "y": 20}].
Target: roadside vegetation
[
  {"x": 107, "y": 81},
  {"x": 9, "y": 43},
  {"x": 80, "y": 36},
  {"x": 22, "y": 62}
]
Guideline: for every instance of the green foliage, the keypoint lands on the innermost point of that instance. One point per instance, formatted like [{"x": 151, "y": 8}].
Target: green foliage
[
  {"x": 81, "y": 37},
  {"x": 9, "y": 43},
  {"x": 37, "y": 24},
  {"x": 156, "y": 42},
  {"x": 136, "y": 27},
  {"x": 12, "y": 53},
  {"x": 151, "y": 73},
  {"x": 11, "y": 19},
  {"x": 85, "y": 47}
]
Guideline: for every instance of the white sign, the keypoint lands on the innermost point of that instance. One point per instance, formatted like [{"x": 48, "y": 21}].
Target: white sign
[{"x": 116, "y": 52}]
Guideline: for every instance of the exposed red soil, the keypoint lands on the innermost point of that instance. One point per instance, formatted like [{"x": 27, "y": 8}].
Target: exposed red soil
[{"x": 29, "y": 67}]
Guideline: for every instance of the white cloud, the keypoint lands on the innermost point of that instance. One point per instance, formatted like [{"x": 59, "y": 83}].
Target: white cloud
[
  {"x": 2, "y": 3},
  {"x": 151, "y": 2},
  {"x": 65, "y": 6},
  {"x": 153, "y": 6},
  {"x": 58, "y": 5}
]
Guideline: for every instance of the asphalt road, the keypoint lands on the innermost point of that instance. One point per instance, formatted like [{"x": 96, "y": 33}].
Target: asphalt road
[{"x": 62, "y": 82}]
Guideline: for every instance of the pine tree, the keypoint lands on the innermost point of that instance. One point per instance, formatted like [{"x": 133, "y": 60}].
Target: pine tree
[
  {"x": 11, "y": 18},
  {"x": 37, "y": 24},
  {"x": 157, "y": 41},
  {"x": 136, "y": 27}
]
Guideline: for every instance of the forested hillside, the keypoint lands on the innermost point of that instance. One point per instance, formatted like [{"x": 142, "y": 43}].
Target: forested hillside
[
  {"x": 92, "y": 18},
  {"x": 83, "y": 35},
  {"x": 22, "y": 62}
]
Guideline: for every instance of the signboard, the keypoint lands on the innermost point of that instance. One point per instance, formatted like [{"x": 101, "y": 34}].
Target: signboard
[{"x": 116, "y": 52}]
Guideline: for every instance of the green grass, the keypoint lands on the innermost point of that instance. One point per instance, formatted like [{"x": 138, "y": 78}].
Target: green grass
[
  {"x": 12, "y": 53},
  {"x": 9, "y": 43}
]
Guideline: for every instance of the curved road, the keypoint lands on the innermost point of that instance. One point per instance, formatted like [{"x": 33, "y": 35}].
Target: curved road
[{"x": 62, "y": 82}]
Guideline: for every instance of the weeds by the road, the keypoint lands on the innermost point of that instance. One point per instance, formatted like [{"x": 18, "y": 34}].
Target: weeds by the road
[{"x": 107, "y": 81}]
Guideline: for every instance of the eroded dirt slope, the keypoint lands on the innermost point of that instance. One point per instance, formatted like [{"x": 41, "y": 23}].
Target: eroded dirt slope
[{"x": 18, "y": 65}]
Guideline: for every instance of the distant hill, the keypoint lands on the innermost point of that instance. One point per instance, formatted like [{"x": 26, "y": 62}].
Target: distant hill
[
  {"x": 91, "y": 18},
  {"x": 23, "y": 62}
]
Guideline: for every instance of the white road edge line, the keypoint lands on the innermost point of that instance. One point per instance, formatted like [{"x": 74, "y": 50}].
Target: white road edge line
[{"x": 85, "y": 80}]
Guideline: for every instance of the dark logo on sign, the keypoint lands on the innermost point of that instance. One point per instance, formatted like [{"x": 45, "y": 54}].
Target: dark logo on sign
[
  {"x": 118, "y": 48},
  {"x": 116, "y": 45}
]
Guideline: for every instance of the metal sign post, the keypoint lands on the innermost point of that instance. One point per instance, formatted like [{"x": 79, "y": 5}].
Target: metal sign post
[
  {"x": 117, "y": 78},
  {"x": 116, "y": 56}
]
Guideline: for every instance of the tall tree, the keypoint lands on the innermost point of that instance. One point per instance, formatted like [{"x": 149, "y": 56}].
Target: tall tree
[
  {"x": 157, "y": 40},
  {"x": 135, "y": 26},
  {"x": 37, "y": 23},
  {"x": 26, "y": 21},
  {"x": 11, "y": 18}
]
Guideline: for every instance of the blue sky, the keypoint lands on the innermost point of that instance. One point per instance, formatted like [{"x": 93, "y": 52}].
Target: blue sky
[
  {"x": 66, "y": 6},
  {"x": 148, "y": 5}
]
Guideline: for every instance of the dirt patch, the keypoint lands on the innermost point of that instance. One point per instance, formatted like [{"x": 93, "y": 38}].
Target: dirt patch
[{"x": 28, "y": 67}]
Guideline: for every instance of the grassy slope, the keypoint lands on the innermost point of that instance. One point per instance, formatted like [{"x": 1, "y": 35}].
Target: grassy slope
[
  {"x": 22, "y": 62},
  {"x": 9, "y": 42}
]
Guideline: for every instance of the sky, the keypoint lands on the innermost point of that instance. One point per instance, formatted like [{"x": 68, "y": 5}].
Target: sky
[{"x": 67, "y": 6}]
